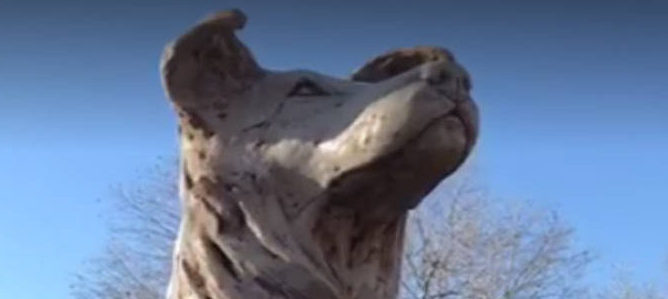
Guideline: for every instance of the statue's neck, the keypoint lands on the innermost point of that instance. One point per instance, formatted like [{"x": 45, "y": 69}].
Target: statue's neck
[{"x": 236, "y": 241}]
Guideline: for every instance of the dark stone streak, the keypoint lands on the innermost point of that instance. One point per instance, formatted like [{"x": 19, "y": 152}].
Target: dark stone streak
[
  {"x": 188, "y": 179},
  {"x": 231, "y": 217},
  {"x": 221, "y": 258},
  {"x": 198, "y": 123},
  {"x": 193, "y": 275},
  {"x": 270, "y": 287},
  {"x": 260, "y": 125}
]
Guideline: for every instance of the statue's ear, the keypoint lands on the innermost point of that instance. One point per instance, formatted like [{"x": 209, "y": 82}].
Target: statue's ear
[
  {"x": 396, "y": 62},
  {"x": 208, "y": 64}
]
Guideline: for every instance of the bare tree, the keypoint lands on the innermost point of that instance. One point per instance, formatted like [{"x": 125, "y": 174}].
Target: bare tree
[
  {"x": 624, "y": 287},
  {"x": 466, "y": 247},
  {"x": 143, "y": 224}
]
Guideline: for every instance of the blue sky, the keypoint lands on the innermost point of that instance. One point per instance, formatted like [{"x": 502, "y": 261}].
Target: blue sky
[{"x": 574, "y": 101}]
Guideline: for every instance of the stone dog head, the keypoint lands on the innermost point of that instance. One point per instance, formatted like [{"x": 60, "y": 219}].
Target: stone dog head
[{"x": 273, "y": 149}]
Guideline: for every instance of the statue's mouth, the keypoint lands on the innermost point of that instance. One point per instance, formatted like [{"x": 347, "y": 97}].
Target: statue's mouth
[
  {"x": 463, "y": 118},
  {"x": 467, "y": 114}
]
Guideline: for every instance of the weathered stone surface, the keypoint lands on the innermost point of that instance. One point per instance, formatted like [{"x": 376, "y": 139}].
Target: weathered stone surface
[{"x": 296, "y": 184}]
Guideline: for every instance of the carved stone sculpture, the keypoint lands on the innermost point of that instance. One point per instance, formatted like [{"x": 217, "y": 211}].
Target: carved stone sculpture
[{"x": 296, "y": 184}]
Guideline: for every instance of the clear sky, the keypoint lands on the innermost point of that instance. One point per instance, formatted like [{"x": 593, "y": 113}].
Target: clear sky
[{"x": 574, "y": 100}]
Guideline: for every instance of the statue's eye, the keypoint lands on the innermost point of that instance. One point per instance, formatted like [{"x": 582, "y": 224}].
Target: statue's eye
[{"x": 307, "y": 88}]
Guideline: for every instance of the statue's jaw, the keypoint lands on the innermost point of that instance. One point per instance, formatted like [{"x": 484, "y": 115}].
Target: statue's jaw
[{"x": 398, "y": 181}]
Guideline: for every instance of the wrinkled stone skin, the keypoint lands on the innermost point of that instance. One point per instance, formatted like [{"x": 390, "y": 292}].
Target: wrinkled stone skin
[{"x": 296, "y": 184}]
